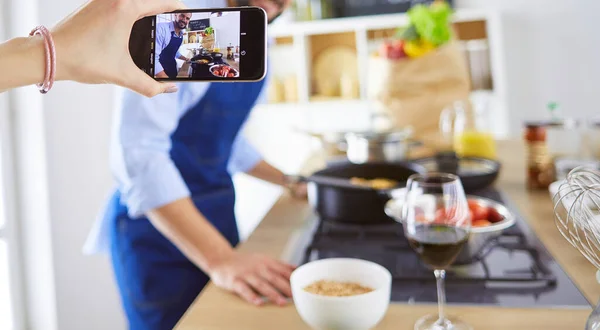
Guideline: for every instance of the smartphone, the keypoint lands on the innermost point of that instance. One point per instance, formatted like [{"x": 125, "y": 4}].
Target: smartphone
[{"x": 215, "y": 44}]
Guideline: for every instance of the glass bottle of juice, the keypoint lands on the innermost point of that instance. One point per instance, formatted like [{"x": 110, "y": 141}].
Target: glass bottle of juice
[{"x": 465, "y": 127}]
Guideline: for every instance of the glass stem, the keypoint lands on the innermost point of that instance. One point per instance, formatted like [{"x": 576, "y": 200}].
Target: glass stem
[{"x": 439, "y": 276}]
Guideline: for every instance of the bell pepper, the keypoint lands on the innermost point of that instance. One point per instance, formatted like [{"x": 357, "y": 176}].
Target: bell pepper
[{"x": 418, "y": 48}]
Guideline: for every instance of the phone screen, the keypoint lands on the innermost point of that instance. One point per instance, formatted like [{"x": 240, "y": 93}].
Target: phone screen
[{"x": 219, "y": 44}]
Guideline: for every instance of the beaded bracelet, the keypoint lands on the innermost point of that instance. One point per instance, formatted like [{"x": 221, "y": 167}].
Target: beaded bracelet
[{"x": 50, "y": 54}]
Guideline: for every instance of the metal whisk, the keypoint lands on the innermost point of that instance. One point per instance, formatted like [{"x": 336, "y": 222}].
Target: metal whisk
[{"x": 577, "y": 217}]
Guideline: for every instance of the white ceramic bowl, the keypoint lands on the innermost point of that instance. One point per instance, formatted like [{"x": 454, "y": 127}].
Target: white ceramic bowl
[{"x": 360, "y": 312}]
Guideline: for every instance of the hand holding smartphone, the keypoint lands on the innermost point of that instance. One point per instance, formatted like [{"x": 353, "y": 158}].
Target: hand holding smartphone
[{"x": 218, "y": 44}]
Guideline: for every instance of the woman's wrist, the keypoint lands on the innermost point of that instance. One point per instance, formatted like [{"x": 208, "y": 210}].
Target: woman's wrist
[{"x": 24, "y": 57}]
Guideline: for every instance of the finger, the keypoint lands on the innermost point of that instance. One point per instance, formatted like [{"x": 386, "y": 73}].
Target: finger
[
  {"x": 283, "y": 269},
  {"x": 138, "y": 81},
  {"x": 264, "y": 288},
  {"x": 278, "y": 281},
  {"x": 244, "y": 291},
  {"x": 155, "y": 7}
]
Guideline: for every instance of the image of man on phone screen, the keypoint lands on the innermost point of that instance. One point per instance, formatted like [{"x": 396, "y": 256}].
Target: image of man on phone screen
[{"x": 169, "y": 37}]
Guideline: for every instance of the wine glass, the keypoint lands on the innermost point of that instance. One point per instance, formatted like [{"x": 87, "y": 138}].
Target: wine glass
[{"x": 437, "y": 223}]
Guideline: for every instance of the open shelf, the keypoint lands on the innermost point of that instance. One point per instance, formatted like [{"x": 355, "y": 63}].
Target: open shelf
[
  {"x": 333, "y": 66},
  {"x": 300, "y": 51}
]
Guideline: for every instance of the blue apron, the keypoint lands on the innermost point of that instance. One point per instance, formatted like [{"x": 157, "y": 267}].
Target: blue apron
[
  {"x": 156, "y": 281},
  {"x": 167, "y": 56}
]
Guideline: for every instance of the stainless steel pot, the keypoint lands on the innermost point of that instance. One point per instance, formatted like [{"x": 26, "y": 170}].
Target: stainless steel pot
[{"x": 370, "y": 147}]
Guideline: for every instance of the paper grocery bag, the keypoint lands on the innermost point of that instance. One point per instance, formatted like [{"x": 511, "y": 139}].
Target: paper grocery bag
[{"x": 413, "y": 92}]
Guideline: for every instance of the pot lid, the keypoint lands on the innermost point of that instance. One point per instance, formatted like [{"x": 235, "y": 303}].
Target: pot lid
[{"x": 382, "y": 136}]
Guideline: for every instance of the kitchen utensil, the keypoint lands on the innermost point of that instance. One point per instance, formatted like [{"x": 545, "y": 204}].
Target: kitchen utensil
[
  {"x": 577, "y": 217},
  {"x": 479, "y": 237},
  {"x": 358, "y": 312},
  {"x": 330, "y": 181},
  {"x": 336, "y": 201},
  {"x": 436, "y": 221},
  {"x": 475, "y": 173},
  {"x": 391, "y": 146}
]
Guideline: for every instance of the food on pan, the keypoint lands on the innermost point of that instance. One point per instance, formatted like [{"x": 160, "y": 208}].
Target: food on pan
[
  {"x": 337, "y": 289},
  {"x": 377, "y": 183},
  {"x": 202, "y": 61}
]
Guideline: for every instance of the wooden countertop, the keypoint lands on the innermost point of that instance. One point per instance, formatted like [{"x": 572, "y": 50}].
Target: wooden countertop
[{"x": 215, "y": 309}]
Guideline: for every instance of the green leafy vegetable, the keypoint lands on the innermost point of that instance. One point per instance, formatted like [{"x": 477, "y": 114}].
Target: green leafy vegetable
[
  {"x": 408, "y": 34},
  {"x": 432, "y": 23},
  {"x": 209, "y": 30}
]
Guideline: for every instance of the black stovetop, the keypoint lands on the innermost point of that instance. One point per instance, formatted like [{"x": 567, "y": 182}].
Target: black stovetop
[{"x": 513, "y": 270}]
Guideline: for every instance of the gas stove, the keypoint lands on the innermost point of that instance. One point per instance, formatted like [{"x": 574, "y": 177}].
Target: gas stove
[{"x": 512, "y": 270}]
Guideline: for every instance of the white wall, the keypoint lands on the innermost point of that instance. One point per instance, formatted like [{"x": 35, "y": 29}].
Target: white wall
[{"x": 551, "y": 49}]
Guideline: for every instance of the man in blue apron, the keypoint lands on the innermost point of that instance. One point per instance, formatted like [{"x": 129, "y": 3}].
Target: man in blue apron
[
  {"x": 170, "y": 225},
  {"x": 169, "y": 38}
]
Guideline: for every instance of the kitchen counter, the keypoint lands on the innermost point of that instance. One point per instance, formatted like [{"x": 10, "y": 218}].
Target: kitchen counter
[{"x": 217, "y": 309}]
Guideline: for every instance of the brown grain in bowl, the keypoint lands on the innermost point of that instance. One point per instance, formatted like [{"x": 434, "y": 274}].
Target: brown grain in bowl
[{"x": 337, "y": 289}]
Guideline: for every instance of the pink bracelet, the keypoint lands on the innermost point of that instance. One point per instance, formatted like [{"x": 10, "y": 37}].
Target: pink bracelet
[{"x": 50, "y": 52}]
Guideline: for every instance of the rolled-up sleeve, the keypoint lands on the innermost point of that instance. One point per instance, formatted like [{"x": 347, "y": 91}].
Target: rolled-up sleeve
[
  {"x": 162, "y": 34},
  {"x": 244, "y": 156},
  {"x": 140, "y": 159}
]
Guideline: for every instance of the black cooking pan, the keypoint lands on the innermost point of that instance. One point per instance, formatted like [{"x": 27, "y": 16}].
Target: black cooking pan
[
  {"x": 475, "y": 173},
  {"x": 335, "y": 198}
]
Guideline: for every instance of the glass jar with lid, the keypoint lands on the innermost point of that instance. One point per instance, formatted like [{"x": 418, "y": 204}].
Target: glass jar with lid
[{"x": 540, "y": 170}]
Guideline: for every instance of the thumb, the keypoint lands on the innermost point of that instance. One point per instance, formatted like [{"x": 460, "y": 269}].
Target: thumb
[
  {"x": 154, "y": 7},
  {"x": 140, "y": 82}
]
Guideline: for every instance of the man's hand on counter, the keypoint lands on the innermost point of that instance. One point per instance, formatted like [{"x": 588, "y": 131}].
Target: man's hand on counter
[
  {"x": 249, "y": 274},
  {"x": 245, "y": 274}
]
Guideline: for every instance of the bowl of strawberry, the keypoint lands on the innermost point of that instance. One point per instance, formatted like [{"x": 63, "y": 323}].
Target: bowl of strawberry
[{"x": 488, "y": 220}]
